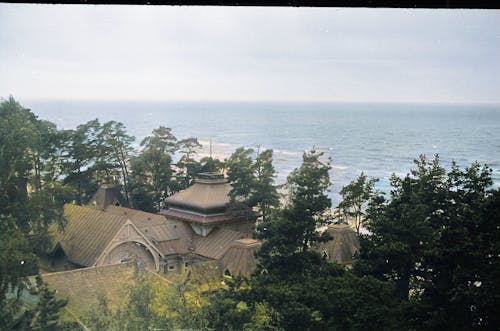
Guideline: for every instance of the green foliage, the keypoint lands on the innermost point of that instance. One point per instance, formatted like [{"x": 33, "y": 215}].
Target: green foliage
[
  {"x": 187, "y": 166},
  {"x": 306, "y": 293},
  {"x": 152, "y": 174},
  {"x": 294, "y": 228},
  {"x": 252, "y": 181},
  {"x": 240, "y": 175},
  {"x": 355, "y": 199},
  {"x": 96, "y": 154},
  {"x": 29, "y": 200},
  {"x": 436, "y": 241},
  {"x": 266, "y": 195}
]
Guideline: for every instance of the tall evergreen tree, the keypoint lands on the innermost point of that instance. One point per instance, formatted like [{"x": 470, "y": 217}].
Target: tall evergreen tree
[
  {"x": 27, "y": 204},
  {"x": 240, "y": 175},
  {"x": 152, "y": 171},
  {"x": 295, "y": 227},
  {"x": 265, "y": 194},
  {"x": 355, "y": 198},
  {"x": 187, "y": 166},
  {"x": 436, "y": 241}
]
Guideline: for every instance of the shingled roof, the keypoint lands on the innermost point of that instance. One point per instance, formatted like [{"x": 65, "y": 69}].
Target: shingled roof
[
  {"x": 216, "y": 244},
  {"x": 81, "y": 240},
  {"x": 108, "y": 195},
  {"x": 344, "y": 245},
  {"x": 89, "y": 231},
  {"x": 209, "y": 195},
  {"x": 84, "y": 286},
  {"x": 240, "y": 257}
]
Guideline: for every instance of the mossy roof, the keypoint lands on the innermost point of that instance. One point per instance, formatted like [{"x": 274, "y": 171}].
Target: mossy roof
[{"x": 83, "y": 287}]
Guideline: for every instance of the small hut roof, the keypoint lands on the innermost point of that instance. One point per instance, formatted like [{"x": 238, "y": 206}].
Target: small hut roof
[
  {"x": 343, "y": 246},
  {"x": 240, "y": 257},
  {"x": 107, "y": 195}
]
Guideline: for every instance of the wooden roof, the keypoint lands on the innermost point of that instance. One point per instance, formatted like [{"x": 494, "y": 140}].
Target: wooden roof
[
  {"x": 205, "y": 197},
  {"x": 343, "y": 246},
  {"x": 89, "y": 231},
  {"x": 86, "y": 234},
  {"x": 240, "y": 258},
  {"x": 184, "y": 215},
  {"x": 107, "y": 195},
  {"x": 216, "y": 243},
  {"x": 83, "y": 286}
]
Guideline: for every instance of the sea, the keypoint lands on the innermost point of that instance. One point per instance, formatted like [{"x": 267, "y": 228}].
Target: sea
[{"x": 379, "y": 139}]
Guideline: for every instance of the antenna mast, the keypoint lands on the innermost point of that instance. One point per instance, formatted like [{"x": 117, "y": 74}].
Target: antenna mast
[{"x": 210, "y": 146}]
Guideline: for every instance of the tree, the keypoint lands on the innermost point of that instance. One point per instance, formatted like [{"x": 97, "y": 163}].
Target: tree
[
  {"x": 79, "y": 160},
  {"x": 27, "y": 204},
  {"x": 152, "y": 173},
  {"x": 240, "y": 175},
  {"x": 114, "y": 142},
  {"x": 355, "y": 199},
  {"x": 265, "y": 195},
  {"x": 435, "y": 240},
  {"x": 187, "y": 165},
  {"x": 252, "y": 180},
  {"x": 308, "y": 200}
]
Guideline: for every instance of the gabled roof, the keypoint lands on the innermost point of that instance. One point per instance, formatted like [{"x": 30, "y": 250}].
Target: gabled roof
[
  {"x": 138, "y": 217},
  {"x": 90, "y": 232},
  {"x": 81, "y": 240}
]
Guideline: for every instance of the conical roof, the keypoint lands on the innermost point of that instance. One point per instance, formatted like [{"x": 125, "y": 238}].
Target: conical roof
[{"x": 343, "y": 246}]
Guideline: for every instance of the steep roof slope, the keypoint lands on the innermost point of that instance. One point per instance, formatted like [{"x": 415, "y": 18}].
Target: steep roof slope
[
  {"x": 343, "y": 246},
  {"x": 81, "y": 240},
  {"x": 240, "y": 257}
]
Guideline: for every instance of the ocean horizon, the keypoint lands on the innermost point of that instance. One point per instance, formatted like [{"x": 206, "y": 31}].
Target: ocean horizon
[{"x": 377, "y": 138}]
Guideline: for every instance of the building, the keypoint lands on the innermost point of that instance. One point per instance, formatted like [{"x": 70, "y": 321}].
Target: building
[{"x": 198, "y": 226}]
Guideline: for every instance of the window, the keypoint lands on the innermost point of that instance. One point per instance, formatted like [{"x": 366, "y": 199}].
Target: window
[
  {"x": 171, "y": 267},
  {"x": 227, "y": 273}
]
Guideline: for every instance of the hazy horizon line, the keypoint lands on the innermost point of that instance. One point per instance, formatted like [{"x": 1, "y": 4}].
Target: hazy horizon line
[{"x": 263, "y": 101}]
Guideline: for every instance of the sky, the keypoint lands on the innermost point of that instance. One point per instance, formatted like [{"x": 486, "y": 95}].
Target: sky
[{"x": 249, "y": 54}]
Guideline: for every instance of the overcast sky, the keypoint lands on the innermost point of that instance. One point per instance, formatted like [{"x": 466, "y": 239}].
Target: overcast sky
[{"x": 231, "y": 53}]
